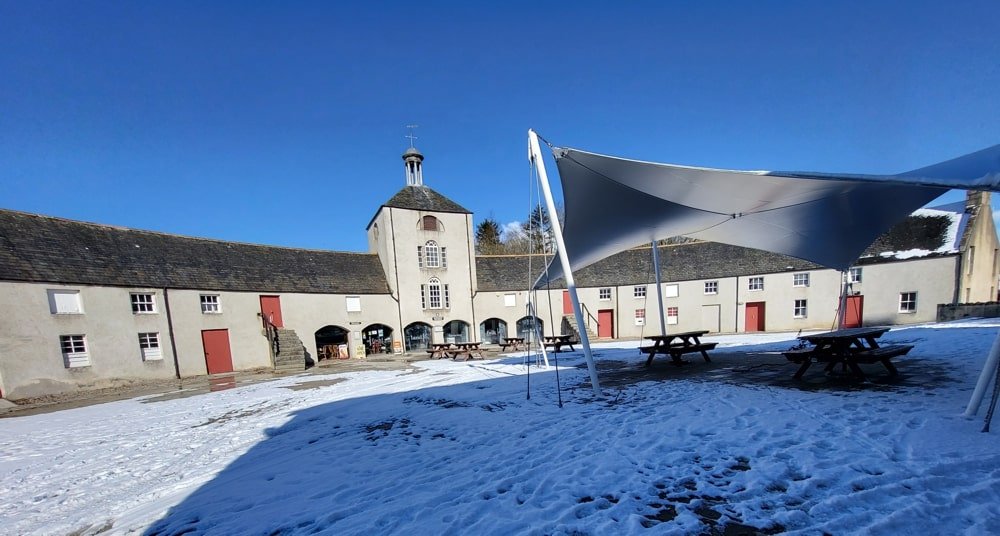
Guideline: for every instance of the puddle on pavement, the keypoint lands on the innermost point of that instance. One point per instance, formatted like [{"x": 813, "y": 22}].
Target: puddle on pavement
[{"x": 314, "y": 384}]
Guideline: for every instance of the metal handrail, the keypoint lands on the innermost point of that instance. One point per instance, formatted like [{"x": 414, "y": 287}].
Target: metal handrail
[
  {"x": 271, "y": 332},
  {"x": 597, "y": 322}
]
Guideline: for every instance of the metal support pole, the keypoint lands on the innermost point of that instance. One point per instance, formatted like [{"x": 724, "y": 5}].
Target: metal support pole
[
  {"x": 659, "y": 288},
  {"x": 535, "y": 155},
  {"x": 989, "y": 370}
]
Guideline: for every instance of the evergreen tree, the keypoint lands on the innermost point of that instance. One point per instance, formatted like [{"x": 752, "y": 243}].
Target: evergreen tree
[{"x": 488, "y": 237}]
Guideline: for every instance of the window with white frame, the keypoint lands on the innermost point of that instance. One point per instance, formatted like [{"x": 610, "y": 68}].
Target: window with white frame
[
  {"x": 672, "y": 315},
  {"x": 755, "y": 283},
  {"x": 431, "y": 255},
  {"x": 800, "y": 310},
  {"x": 907, "y": 302},
  {"x": 434, "y": 295},
  {"x": 639, "y": 291},
  {"x": 510, "y": 300},
  {"x": 672, "y": 291},
  {"x": 640, "y": 317},
  {"x": 149, "y": 347},
  {"x": 800, "y": 280},
  {"x": 854, "y": 275},
  {"x": 210, "y": 304},
  {"x": 604, "y": 294},
  {"x": 353, "y": 304},
  {"x": 65, "y": 302},
  {"x": 143, "y": 303},
  {"x": 74, "y": 351},
  {"x": 711, "y": 287}
]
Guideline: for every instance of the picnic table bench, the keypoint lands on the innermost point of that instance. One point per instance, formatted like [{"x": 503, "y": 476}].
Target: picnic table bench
[
  {"x": 466, "y": 350},
  {"x": 440, "y": 350},
  {"x": 556, "y": 342},
  {"x": 516, "y": 342},
  {"x": 688, "y": 342},
  {"x": 848, "y": 348}
]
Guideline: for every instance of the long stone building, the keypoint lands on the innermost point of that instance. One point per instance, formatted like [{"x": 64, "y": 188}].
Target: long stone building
[{"x": 87, "y": 305}]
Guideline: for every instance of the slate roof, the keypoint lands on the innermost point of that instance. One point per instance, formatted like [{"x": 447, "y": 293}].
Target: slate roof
[
  {"x": 53, "y": 250},
  {"x": 708, "y": 260},
  {"x": 424, "y": 198}
]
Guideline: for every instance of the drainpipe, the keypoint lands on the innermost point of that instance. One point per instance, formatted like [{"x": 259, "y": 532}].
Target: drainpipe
[
  {"x": 395, "y": 269},
  {"x": 170, "y": 331},
  {"x": 736, "y": 318}
]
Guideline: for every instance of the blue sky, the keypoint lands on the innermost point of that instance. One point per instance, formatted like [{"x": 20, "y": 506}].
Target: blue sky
[{"x": 283, "y": 122}]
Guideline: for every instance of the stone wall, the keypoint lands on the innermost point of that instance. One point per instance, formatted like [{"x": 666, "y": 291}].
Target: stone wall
[{"x": 959, "y": 311}]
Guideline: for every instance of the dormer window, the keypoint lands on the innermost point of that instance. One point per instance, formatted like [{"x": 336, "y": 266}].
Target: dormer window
[{"x": 430, "y": 223}]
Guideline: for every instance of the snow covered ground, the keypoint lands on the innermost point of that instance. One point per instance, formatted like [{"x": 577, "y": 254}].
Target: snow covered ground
[{"x": 457, "y": 448}]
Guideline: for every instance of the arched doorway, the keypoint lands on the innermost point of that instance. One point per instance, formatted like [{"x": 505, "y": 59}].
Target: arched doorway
[
  {"x": 377, "y": 339},
  {"x": 331, "y": 343},
  {"x": 417, "y": 336},
  {"x": 456, "y": 331},
  {"x": 492, "y": 331},
  {"x": 526, "y": 329}
]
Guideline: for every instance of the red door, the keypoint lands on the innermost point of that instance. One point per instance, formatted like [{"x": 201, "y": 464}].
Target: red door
[
  {"x": 567, "y": 304},
  {"x": 218, "y": 357},
  {"x": 755, "y": 316},
  {"x": 270, "y": 307},
  {"x": 853, "y": 313},
  {"x": 606, "y": 323}
]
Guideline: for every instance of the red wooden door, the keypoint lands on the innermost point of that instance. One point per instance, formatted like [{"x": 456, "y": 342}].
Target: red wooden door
[
  {"x": 218, "y": 357},
  {"x": 270, "y": 307},
  {"x": 854, "y": 311},
  {"x": 567, "y": 304},
  {"x": 606, "y": 323},
  {"x": 755, "y": 316}
]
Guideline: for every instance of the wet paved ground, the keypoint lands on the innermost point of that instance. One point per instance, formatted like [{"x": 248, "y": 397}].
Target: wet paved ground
[{"x": 748, "y": 368}]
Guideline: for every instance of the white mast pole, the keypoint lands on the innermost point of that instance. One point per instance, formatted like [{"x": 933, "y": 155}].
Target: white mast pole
[
  {"x": 659, "y": 289},
  {"x": 535, "y": 155},
  {"x": 987, "y": 374}
]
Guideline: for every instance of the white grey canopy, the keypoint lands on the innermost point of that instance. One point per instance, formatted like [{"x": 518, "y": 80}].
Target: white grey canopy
[{"x": 613, "y": 204}]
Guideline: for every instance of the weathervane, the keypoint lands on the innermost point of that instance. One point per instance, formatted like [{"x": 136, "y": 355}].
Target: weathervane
[{"x": 410, "y": 135}]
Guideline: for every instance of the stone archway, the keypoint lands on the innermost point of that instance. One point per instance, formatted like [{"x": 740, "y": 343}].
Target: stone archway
[
  {"x": 417, "y": 336},
  {"x": 332, "y": 342}
]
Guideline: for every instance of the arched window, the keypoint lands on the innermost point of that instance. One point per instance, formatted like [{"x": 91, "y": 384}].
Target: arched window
[
  {"x": 430, "y": 223},
  {"x": 434, "y": 295},
  {"x": 431, "y": 255},
  {"x": 417, "y": 336}
]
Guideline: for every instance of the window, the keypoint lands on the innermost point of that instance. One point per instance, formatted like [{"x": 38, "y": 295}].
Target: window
[
  {"x": 800, "y": 309},
  {"x": 972, "y": 258},
  {"x": 604, "y": 294},
  {"x": 907, "y": 302},
  {"x": 430, "y": 255},
  {"x": 711, "y": 287},
  {"x": 854, "y": 275},
  {"x": 142, "y": 303},
  {"x": 800, "y": 280},
  {"x": 149, "y": 346},
  {"x": 640, "y": 317},
  {"x": 74, "y": 351},
  {"x": 210, "y": 304},
  {"x": 672, "y": 315},
  {"x": 672, "y": 291},
  {"x": 510, "y": 300},
  {"x": 755, "y": 283},
  {"x": 639, "y": 291},
  {"x": 353, "y": 304},
  {"x": 430, "y": 223},
  {"x": 64, "y": 302},
  {"x": 434, "y": 295}
]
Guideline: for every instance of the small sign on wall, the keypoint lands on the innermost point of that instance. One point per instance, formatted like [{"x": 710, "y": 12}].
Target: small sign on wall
[{"x": 397, "y": 347}]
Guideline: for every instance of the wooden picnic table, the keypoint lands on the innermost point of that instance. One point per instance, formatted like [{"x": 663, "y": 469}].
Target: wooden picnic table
[
  {"x": 516, "y": 342},
  {"x": 467, "y": 350},
  {"x": 848, "y": 348},
  {"x": 686, "y": 342},
  {"x": 556, "y": 342},
  {"x": 440, "y": 350}
]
